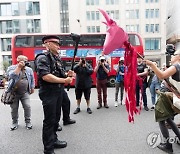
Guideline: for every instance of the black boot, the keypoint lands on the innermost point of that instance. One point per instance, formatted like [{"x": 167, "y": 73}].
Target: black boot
[{"x": 166, "y": 147}]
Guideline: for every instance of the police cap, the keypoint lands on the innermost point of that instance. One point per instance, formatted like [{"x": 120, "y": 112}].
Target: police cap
[{"x": 51, "y": 38}]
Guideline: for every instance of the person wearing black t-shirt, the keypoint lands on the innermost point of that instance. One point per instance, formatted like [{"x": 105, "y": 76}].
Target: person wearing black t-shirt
[{"x": 142, "y": 73}]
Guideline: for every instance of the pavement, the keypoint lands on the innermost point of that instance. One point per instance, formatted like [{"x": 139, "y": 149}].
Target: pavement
[{"x": 105, "y": 131}]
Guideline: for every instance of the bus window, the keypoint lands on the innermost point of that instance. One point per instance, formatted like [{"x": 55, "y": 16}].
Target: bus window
[
  {"x": 66, "y": 40},
  {"x": 92, "y": 40},
  {"x": 38, "y": 41},
  {"x": 134, "y": 40},
  {"x": 24, "y": 41}
]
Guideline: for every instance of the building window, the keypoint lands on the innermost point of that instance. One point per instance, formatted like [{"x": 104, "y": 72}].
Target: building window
[
  {"x": 15, "y": 9},
  {"x": 157, "y": 28},
  {"x": 87, "y": 2},
  {"x": 37, "y": 25},
  {"x": 88, "y": 29},
  {"x": 132, "y": 28},
  {"x": 33, "y": 26},
  {"x": 6, "y": 44},
  {"x": 92, "y": 15},
  {"x": 151, "y": 28},
  {"x": 16, "y": 27},
  {"x": 152, "y": 13},
  {"x": 112, "y": 2},
  {"x": 132, "y": 14},
  {"x": 32, "y": 8},
  {"x": 132, "y": 1},
  {"x": 9, "y": 27},
  {"x": 88, "y": 15},
  {"x": 157, "y": 13},
  {"x": 93, "y": 29},
  {"x": 5, "y": 9},
  {"x": 152, "y": 44},
  {"x": 97, "y": 29},
  {"x": 97, "y": 15}
]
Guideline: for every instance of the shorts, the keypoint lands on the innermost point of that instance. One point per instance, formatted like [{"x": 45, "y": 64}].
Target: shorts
[{"x": 79, "y": 92}]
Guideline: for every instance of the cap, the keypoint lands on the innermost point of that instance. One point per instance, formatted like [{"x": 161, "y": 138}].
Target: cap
[
  {"x": 121, "y": 59},
  {"x": 51, "y": 38},
  {"x": 102, "y": 57}
]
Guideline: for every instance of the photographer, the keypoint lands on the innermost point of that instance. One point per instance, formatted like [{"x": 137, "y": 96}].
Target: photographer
[
  {"x": 83, "y": 84},
  {"x": 102, "y": 70},
  {"x": 119, "y": 83},
  {"x": 24, "y": 80}
]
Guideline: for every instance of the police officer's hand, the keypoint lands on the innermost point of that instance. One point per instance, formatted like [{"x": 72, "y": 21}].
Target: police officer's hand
[
  {"x": 70, "y": 73},
  {"x": 68, "y": 80}
]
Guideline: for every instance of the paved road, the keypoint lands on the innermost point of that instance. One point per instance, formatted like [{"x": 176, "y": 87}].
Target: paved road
[{"x": 106, "y": 131}]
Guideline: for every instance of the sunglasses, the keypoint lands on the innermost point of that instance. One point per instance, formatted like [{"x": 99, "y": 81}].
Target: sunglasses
[{"x": 57, "y": 43}]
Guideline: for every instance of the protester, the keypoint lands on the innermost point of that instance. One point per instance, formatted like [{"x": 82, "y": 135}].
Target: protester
[
  {"x": 142, "y": 74},
  {"x": 24, "y": 86},
  {"x": 51, "y": 79},
  {"x": 119, "y": 83},
  {"x": 163, "y": 109},
  {"x": 102, "y": 70},
  {"x": 154, "y": 85},
  {"x": 83, "y": 84}
]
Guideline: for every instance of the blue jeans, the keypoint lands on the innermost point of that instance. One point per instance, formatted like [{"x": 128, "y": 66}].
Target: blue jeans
[{"x": 153, "y": 87}]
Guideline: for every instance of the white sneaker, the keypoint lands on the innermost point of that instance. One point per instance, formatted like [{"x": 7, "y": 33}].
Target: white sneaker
[{"x": 116, "y": 103}]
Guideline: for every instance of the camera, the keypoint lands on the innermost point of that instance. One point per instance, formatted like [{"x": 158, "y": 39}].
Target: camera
[
  {"x": 75, "y": 37},
  {"x": 102, "y": 60},
  {"x": 83, "y": 61},
  {"x": 170, "y": 49},
  {"x": 27, "y": 63}
]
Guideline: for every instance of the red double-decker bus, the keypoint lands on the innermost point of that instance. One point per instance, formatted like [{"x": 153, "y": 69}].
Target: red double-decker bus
[{"x": 90, "y": 46}]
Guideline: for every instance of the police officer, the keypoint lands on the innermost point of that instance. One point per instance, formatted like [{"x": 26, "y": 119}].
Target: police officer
[{"x": 51, "y": 80}]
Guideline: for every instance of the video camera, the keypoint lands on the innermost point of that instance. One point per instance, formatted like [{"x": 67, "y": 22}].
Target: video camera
[
  {"x": 27, "y": 64},
  {"x": 170, "y": 49},
  {"x": 75, "y": 37}
]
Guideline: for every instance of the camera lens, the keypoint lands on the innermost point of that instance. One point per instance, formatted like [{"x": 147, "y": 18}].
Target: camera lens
[
  {"x": 102, "y": 60},
  {"x": 83, "y": 61},
  {"x": 27, "y": 64}
]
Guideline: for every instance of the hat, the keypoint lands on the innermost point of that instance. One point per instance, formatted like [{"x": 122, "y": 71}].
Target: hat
[
  {"x": 51, "y": 38},
  {"x": 177, "y": 52},
  {"x": 121, "y": 59},
  {"x": 102, "y": 57}
]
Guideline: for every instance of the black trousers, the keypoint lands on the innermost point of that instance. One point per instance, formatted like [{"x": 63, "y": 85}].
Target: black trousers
[
  {"x": 144, "y": 96},
  {"x": 51, "y": 101},
  {"x": 65, "y": 106}
]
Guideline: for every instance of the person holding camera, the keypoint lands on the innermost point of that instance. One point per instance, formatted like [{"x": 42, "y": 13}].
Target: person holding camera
[
  {"x": 119, "y": 83},
  {"x": 83, "y": 84},
  {"x": 102, "y": 70},
  {"x": 24, "y": 80}
]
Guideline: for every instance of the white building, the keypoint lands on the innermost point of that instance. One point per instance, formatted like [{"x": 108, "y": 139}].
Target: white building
[
  {"x": 146, "y": 17},
  {"x": 173, "y": 23}
]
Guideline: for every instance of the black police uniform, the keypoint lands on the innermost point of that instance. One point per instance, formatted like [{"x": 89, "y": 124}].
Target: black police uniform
[{"x": 51, "y": 96}]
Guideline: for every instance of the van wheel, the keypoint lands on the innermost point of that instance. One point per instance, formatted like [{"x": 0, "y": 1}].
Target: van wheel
[{"x": 111, "y": 81}]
